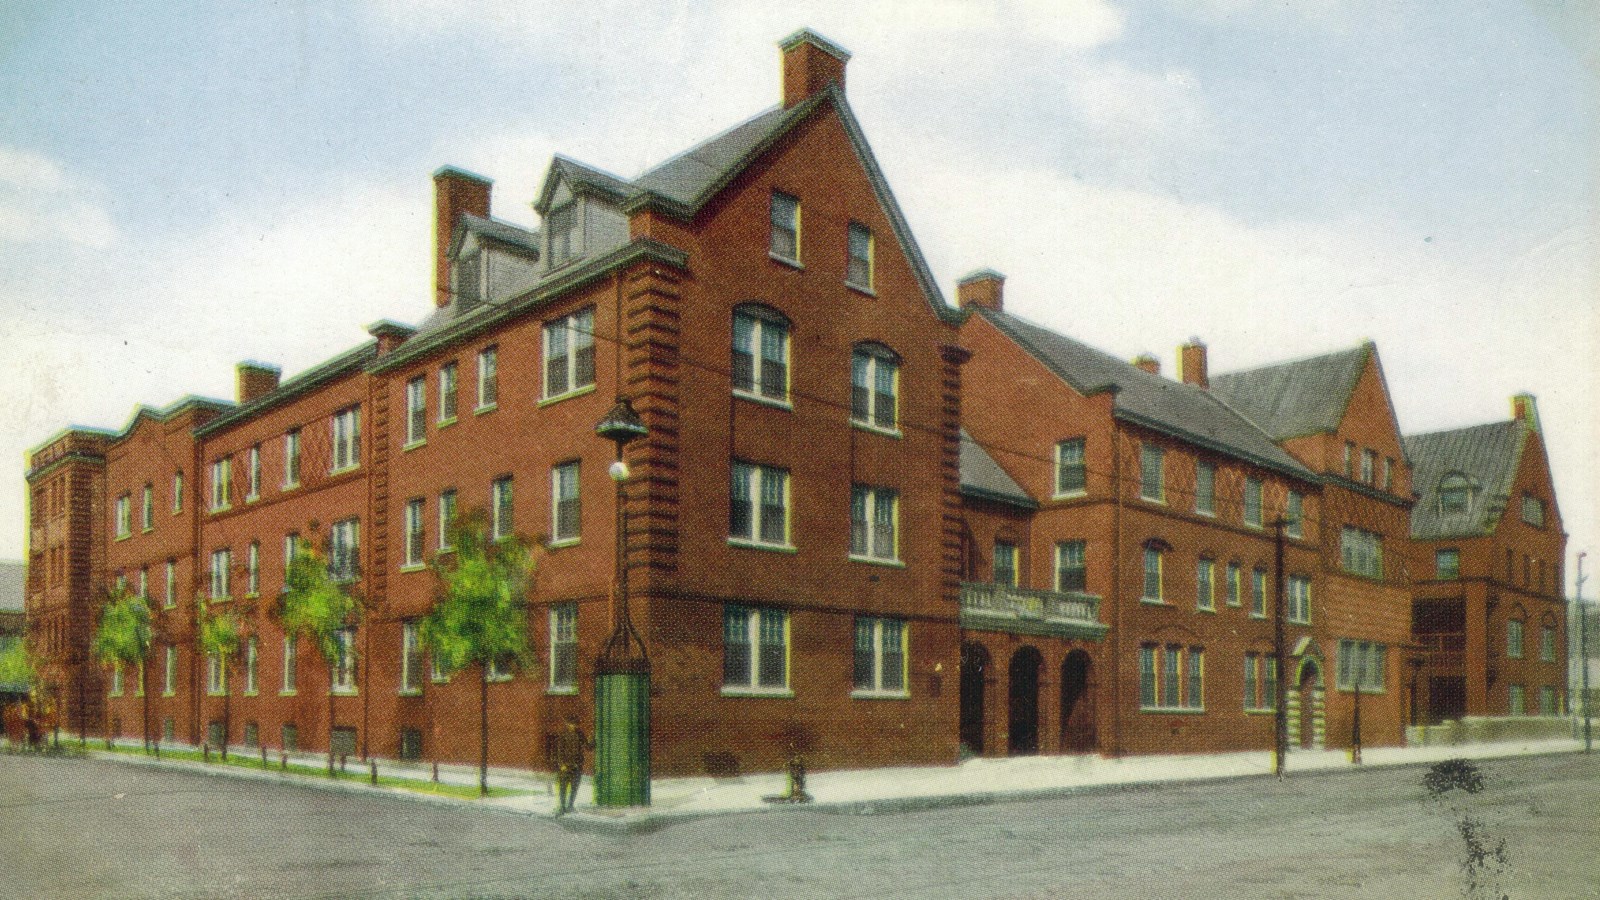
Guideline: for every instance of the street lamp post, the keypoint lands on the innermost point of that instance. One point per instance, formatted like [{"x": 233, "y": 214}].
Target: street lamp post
[
  {"x": 622, "y": 672},
  {"x": 1583, "y": 655}
]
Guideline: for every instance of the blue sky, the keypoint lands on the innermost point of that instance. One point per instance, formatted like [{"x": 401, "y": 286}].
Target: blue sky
[{"x": 1280, "y": 179}]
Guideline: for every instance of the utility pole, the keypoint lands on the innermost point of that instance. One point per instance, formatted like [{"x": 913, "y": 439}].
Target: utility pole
[
  {"x": 1280, "y": 654},
  {"x": 1583, "y": 655}
]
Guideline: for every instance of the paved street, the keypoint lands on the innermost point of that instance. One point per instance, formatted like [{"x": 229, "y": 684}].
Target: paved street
[{"x": 90, "y": 828}]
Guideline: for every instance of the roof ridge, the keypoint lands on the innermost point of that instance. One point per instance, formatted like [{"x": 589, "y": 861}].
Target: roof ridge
[
  {"x": 1299, "y": 360},
  {"x": 1501, "y": 423}
]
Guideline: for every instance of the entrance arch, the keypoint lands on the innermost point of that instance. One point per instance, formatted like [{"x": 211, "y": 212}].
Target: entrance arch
[
  {"x": 1077, "y": 704},
  {"x": 974, "y": 671},
  {"x": 1024, "y": 707},
  {"x": 1307, "y": 725}
]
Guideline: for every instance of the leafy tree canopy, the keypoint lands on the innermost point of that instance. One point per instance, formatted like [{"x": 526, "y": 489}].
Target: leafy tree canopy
[
  {"x": 125, "y": 634},
  {"x": 481, "y": 613},
  {"x": 315, "y": 604}
]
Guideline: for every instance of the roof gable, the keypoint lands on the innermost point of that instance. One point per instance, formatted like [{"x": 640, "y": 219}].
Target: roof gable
[
  {"x": 568, "y": 176},
  {"x": 1296, "y": 398},
  {"x": 1487, "y": 455},
  {"x": 982, "y": 477}
]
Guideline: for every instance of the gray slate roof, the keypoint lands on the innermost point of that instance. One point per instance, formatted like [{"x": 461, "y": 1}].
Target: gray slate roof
[
  {"x": 689, "y": 176},
  {"x": 1486, "y": 454},
  {"x": 13, "y": 577},
  {"x": 1181, "y": 410},
  {"x": 982, "y": 477},
  {"x": 1296, "y": 398},
  {"x": 504, "y": 232}
]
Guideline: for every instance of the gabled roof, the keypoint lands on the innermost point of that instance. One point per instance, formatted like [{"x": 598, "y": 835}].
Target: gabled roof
[
  {"x": 1296, "y": 398},
  {"x": 982, "y": 477},
  {"x": 1487, "y": 455},
  {"x": 1181, "y": 410},
  {"x": 580, "y": 176},
  {"x": 690, "y": 178},
  {"x": 496, "y": 230}
]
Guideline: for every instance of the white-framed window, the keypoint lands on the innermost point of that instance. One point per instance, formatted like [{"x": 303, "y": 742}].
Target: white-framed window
[
  {"x": 1234, "y": 587},
  {"x": 1171, "y": 677},
  {"x": 1369, "y": 466},
  {"x": 755, "y": 649},
  {"x": 344, "y": 669},
  {"x": 291, "y": 458},
  {"x": 499, "y": 669},
  {"x": 488, "y": 377},
  {"x": 447, "y": 517},
  {"x": 564, "y": 647},
  {"x": 221, "y": 483},
  {"x": 860, "y": 268},
  {"x": 252, "y": 569},
  {"x": 124, "y": 516},
  {"x": 760, "y": 353},
  {"x": 144, "y": 582},
  {"x": 1388, "y": 473},
  {"x": 147, "y": 511},
  {"x": 169, "y": 671},
  {"x": 1152, "y": 481},
  {"x": 1447, "y": 564},
  {"x": 1005, "y": 563},
  {"x": 1532, "y": 510},
  {"x": 414, "y": 534},
  {"x": 1154, "y": 571},
  {"x": 169, "y": 597},
  {"x": 785, "y": 239},
  {"x": 569, "y": 353},
  {"x": 1547, "y": 643},
  {"x": 347, "y": 439},
  {"x": 1205, "y": 581},
  {"x": 221, "y": 562},
  {"x": 1295, "y": 515},
  {"x": 1205, "y": 488},
  {"x": 1072, "y": 567},
  {"x": 561, "y": 225},
  {"x": 1363, "y": 663},
  {"x": 1299, "y": 590},
  {"x": 874, "y": 517},
  {"x": 344, "y": 549},
  {"x": 291, "y": 663},
  {"x": 116, "y": 678},
  {"x": 1361, "y": 551},
  {"x": 448, "y": 376},
  {"x": 251, "y": 658},
  {"x": 410, "y": 657},
  {"x": 1517, "y": 697},
  {"x": 1258, "y": 593},
  {"x": 253, "y": 473},
  {"x": 565, "y": 505},
  {"x": 1547, "y": 701},
  {"x": 1071, "y": 470},
  {"x": 1514, "y": 639},
  {"x": 880, "y": 657},
  {"x": 1252, "y": 501},
  {"x": 874, "y": 387},
  {"x": 291, "y": 545},
  {"x": 759, "y": 505},
  {"x": 1260, "y": 682},
  {"x": 177, "y": 491},
  {"x": 416, "y": 410},
  {"x": 216, "y": 674},
  {"x": 502, "y": 510},
  {"x": 1349, "y": 459}
]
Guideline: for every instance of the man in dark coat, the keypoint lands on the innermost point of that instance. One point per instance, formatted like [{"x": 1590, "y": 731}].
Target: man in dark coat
[{"x": 570, "y": 747}]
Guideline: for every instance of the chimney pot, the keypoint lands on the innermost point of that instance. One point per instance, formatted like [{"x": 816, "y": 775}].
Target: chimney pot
[
  {"x": 255, "y": 379},
  {"x": 985, "y": 288},
  {"x": 390, "y": 334},
  {"x": 455, "y": 191},
  {"x": 1525, "y": 409},
  {"x": 1192, "y": 364},
  {"x": 811, "y": 62},
  {"x": 1148, "y": 362}
]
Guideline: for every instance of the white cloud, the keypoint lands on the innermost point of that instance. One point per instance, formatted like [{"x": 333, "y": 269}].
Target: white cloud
[{"x": 40, "y": 203}]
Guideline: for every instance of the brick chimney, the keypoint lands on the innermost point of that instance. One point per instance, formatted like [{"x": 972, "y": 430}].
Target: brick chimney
[
  {"x": 985, "y": 288},
  {"x": 1192, "y": 364},
  {"x": 455, "y": 191},
  {"x": 810, "y": 63},
  {"x": 1148, "y": 362},
  {"x": 389, "y": 334},
  {"x": 254, "y": 379},
  {"x": 1525, "y": 409}
]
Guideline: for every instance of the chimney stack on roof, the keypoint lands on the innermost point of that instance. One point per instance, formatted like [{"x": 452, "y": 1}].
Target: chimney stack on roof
[
  {"x": 1525, "y": 409},
  {"x": 811, "y": 62},
  {"x": 985, "y": 288},
  {"x": 1148, "y": 362},
  {"x": 1192, "y": 364},
  {"x": 455, "y": 191},
  {"x": 254, "y": 379},
  {"x": 389, "y": 334}
]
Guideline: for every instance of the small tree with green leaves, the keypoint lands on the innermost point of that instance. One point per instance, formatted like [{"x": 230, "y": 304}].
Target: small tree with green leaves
[
  {"x": 480, "y": 616},
  {"x": 123, "y": 638},
  {"x": 318, "y": 605},
  {"x": 221, "y": 635},
  {"x": 17, "y": 667}
]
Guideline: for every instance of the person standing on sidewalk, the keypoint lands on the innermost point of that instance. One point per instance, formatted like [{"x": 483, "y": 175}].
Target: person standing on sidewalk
[{"x": 570, "y": 747}]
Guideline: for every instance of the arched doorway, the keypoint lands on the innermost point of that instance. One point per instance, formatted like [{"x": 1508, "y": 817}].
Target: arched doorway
[
  {"x": 1309, "y": 694},
  {"x": 1077, "y": 704},
  {"x": 1024, "y": 709},
  {"x": 974, "y": 669}
]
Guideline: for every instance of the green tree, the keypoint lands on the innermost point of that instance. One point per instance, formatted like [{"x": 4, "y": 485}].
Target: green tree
[
  {"x": 221, "y": 636},
  {"x": 124, "y": 638},
  {"x": 480, "y": 616},
  {"x": 17, "y": 667},
  {"x": 318, "y": 606}
]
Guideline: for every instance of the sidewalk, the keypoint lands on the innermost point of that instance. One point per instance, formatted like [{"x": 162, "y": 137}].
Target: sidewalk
[{"x": 868, "y": 791}]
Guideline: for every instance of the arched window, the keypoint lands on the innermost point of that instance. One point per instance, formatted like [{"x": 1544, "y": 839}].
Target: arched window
[
  {"x": 760, "y": 352},
  {"x": 874, "y": 386}
]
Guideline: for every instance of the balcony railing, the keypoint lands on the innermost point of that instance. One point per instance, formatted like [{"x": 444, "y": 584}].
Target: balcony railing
[{"x": 999, "y": 607}]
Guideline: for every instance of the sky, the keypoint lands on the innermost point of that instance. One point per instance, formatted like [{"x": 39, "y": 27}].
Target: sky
[{"x": 185, "y": 185}]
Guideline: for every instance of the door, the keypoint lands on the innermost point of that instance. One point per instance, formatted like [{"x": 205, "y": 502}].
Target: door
[
  {"x": 1024, "y": 708},
  {"x": 1077, "y": 705},
  {"x": 974, "y": 669},
  {"x": 1447, "y": 698},
  {"x": 1311, "y": 723}
]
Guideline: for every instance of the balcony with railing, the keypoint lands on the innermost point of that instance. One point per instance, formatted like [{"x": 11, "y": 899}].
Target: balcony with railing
[{"x": 1000, "y": 607}]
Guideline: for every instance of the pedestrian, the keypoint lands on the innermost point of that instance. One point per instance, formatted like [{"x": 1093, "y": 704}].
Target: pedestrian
[{"x": 570, "y": 747}]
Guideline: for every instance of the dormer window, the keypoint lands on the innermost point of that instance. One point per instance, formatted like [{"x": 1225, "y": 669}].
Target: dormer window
[
  {"x": 469, "y": 277},
  {"x": 1455, "y": 493},
  {"x": 560, "y": 225}
]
